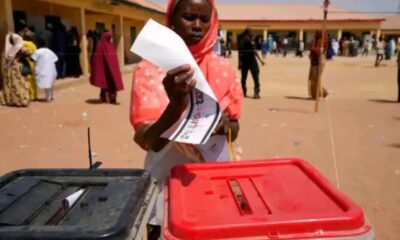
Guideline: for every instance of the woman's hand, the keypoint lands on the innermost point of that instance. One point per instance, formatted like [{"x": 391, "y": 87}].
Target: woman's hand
[
  {"x": 223, "y": 126},
  {"x": 225, "y": 123},
  {"x": 177, "y": 85}
]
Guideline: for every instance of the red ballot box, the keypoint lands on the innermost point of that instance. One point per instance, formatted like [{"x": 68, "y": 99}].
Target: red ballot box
[{"x": 273, "y": 199}]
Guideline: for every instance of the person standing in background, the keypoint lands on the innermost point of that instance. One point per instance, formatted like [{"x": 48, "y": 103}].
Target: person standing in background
[
  {"x": 300, "y": 49},
  {"x": 285, "y": 46},
  {"x": 105, "y": 70},
  {"x": 279, "y": 46},
  {"x": 398, "y": 76},
  {"x": 47, "y": 35},
  {"x": 393, "y": 47},
  {"x": 335, "y": 45},
  {"x": 388, "y": 50},
  {"x": 60, "y": 45},
  {"x": 72, "y": 58},
  {"x": 30, "y": 48},
  {"x": 366, "y": 47},
  {"x": 248, "y": 62},
  {"x": 345, "y": 47},
  {"x": 274, "y": 47},
  {"x": 330, "y": 52},
  {"x": 352, "y": 47},
  {"x": 15, "y": 90},
  {"x": 270, "y": 44},
  {"x": 380, "y": 51},
  {"x": 264, "y": 49},
  {"x": 229, "y": 45},
  {"x": 218, "y": 44},
  {"x": 45, "y": 69}
]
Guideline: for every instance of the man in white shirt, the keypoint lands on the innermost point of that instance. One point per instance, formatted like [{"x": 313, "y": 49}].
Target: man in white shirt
[
  {"x": 380, "y": 51},
  {"x": 285, "y": 46},
  {"x": 45, "y": 68}
]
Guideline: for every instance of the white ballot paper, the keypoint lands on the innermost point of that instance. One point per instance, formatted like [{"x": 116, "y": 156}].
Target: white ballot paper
[
  {"x": 164, "y": 48},
  {"x": 69, "y": 201}
]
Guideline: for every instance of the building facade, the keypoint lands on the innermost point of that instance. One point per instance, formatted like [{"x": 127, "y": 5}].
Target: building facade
[
  {"x": 296, "y": 21},
  {"x": 124, "y": 18},
  {"x": 391, "y": 27}
]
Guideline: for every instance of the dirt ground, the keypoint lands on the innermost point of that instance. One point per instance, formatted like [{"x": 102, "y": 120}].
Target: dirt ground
[{"x": 354, "y": 140}]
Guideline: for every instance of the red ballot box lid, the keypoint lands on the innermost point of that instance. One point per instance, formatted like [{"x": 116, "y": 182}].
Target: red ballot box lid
[{"x": 278, "y": 199}]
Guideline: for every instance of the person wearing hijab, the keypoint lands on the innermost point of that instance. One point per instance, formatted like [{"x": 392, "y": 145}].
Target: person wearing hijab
[
  {"x": 59, "y": 48},
  {"x": 15, "y": 91},
  {"x": 30, "y": 47},
  {"x": 105, "y": 70},
  {"x": 72, "y": 58},
  {"x": 159, "y": 98}
]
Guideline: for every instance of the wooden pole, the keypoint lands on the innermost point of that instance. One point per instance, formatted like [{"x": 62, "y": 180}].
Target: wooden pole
[{"x": 321, "y": 56}]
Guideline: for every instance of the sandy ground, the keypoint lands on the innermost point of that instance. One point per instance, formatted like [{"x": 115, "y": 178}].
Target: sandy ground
[{"x": 354, "y": 140}]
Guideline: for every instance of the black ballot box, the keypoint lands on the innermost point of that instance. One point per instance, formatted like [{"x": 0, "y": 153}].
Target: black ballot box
[{"x": 75, "y": 204}]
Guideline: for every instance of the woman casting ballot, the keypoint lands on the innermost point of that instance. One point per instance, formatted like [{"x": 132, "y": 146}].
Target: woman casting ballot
[{"x": 159, "y": 98}]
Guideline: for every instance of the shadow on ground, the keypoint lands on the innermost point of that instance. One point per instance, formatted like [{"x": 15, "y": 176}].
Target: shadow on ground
[
  {"x": 288, "y": 110},
  {"x": 395, "y": 145},
  {"x": 299, "y": 98},
  {"x": 382, "y": 101},
  {"x": 98, "y": 102},
  {"x": 42, "y": 100},
  {"x": 373, "y": 65},
  {"x": 94, "y": 101}
]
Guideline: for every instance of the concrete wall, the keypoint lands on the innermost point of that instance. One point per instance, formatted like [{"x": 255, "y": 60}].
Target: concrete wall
[{"x": 128, "y": 24}]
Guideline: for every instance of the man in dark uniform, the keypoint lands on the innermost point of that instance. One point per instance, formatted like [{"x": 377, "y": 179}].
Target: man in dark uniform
[{"x": 248, "y": 56}]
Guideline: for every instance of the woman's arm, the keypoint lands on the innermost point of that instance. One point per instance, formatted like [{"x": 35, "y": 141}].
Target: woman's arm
[
  {"x": 152, "y": 133},
  {"x": 235, "y": 128},
  {"x": 225, "y": 124},
  {"x": 259, "y": 58}
]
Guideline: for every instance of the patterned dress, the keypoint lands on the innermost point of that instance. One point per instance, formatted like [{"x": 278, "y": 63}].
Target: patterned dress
[
  {"x": 31, "y": 48},
  {"x": 15, "y": 90}
]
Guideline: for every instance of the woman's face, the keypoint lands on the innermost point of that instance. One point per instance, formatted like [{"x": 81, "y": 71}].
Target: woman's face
[{"x": 191, "y": 20}]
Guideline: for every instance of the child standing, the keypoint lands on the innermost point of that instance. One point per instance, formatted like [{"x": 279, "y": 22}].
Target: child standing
[{"x": 45, "y": 69}]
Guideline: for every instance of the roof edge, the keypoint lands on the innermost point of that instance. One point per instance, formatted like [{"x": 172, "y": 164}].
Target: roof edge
[
  {"x": 130, "y": 4},
  {"x": 304, "y": 20}
]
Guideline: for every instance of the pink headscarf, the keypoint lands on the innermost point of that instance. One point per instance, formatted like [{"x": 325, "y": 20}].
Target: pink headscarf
[
  {"x": 149, "y": 99},
  {"x": 205, "y": 46},
  {"x": 12, "y": 49},
  {"x": 106, "y": 73}
]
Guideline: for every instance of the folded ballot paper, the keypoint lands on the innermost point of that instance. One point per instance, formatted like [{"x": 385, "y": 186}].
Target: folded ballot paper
[{"x": 164, "y": 48}]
